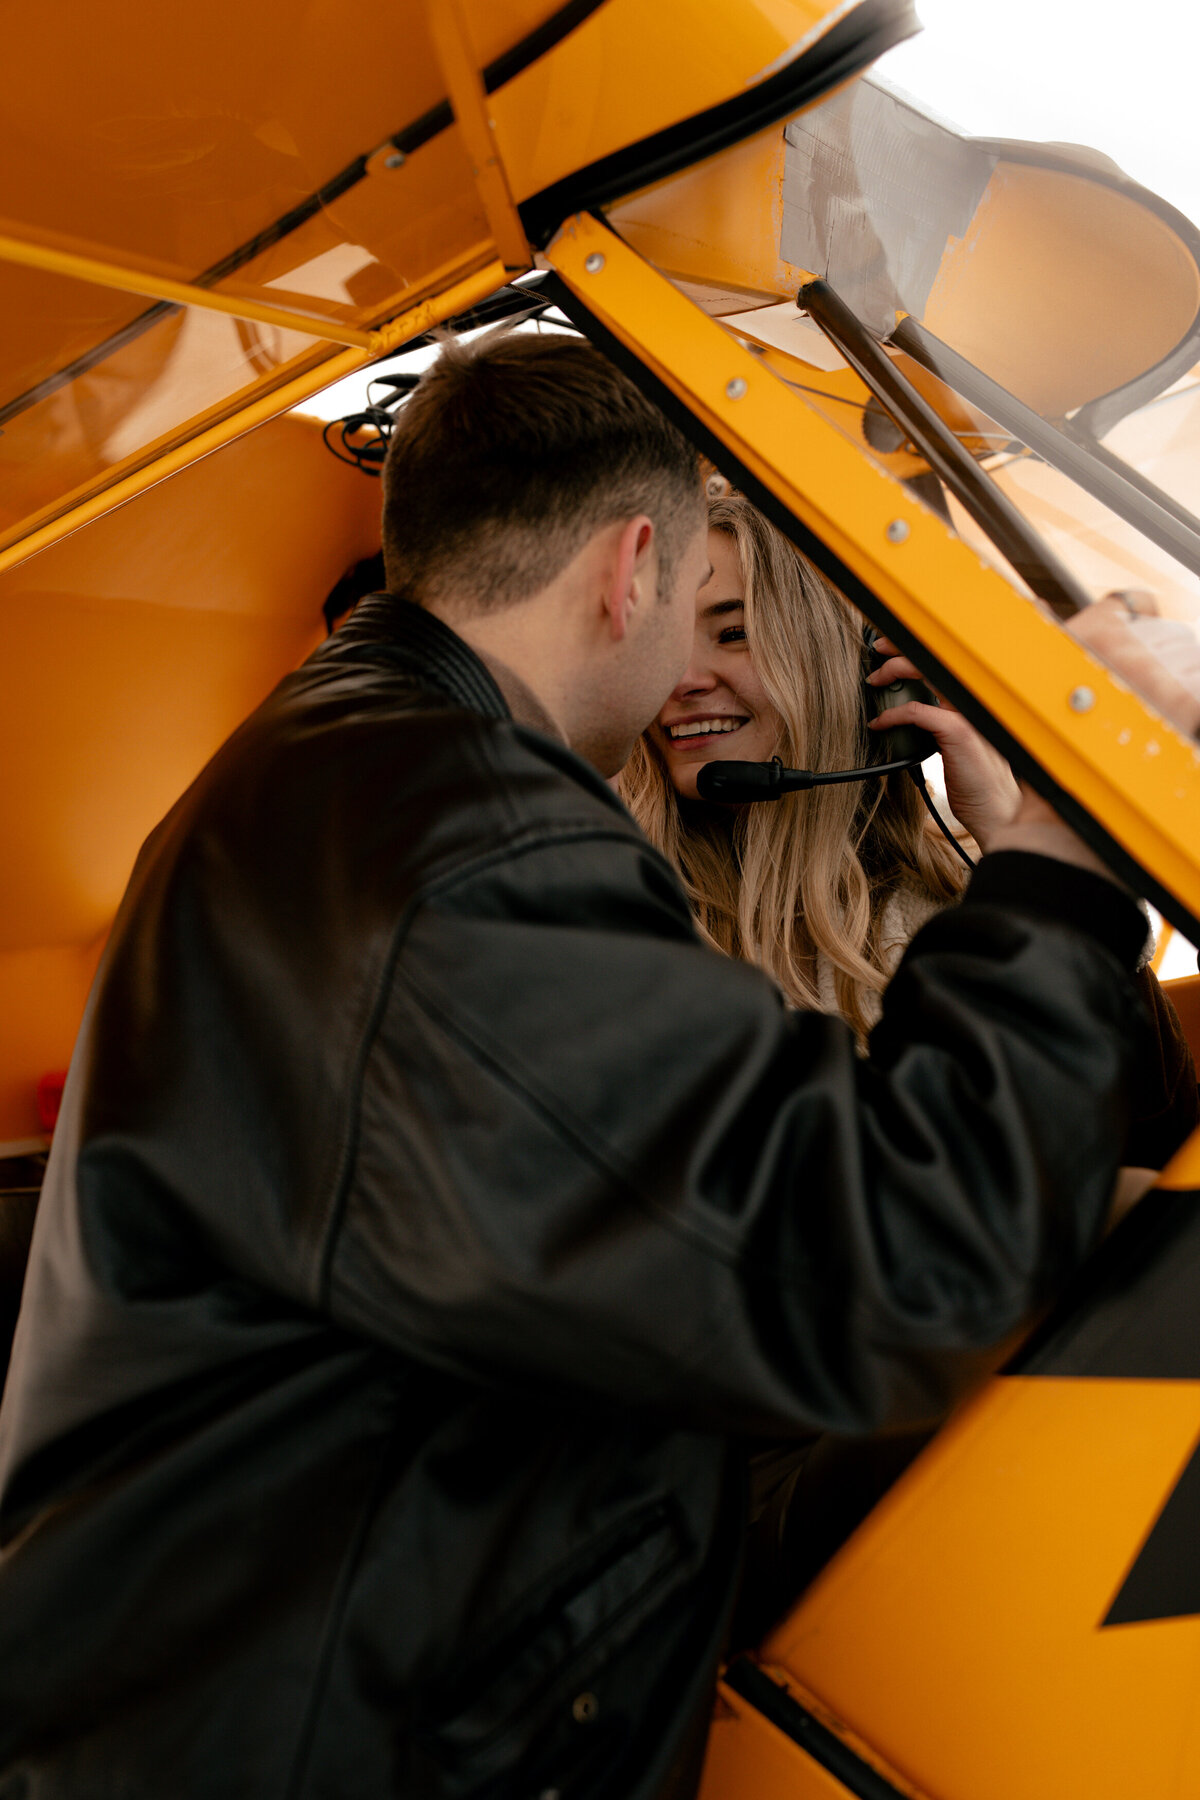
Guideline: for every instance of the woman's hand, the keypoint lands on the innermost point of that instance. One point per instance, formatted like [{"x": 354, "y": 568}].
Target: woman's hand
[{"x": 980, "y": 788}]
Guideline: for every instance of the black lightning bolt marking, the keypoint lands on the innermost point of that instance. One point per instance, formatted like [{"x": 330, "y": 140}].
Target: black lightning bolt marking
[{"x": 1164, "y": 1582}]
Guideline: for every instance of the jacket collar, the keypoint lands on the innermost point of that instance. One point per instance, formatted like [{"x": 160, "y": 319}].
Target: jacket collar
[{"x": 434, "y": 655}]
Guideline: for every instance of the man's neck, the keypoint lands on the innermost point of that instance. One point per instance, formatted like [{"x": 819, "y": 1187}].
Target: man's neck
[
  {"x": 522, "y": 702},
  {"x": 514, "y": 645}
]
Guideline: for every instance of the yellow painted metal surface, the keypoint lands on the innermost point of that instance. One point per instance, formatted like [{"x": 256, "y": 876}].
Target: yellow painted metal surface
[
  {"x": 131, "y": 651},
  {"x": 954, "y": 1643},
  {"x": 464, "y": 86},
  {"x": 631, "y": 70},
  {"x": 264, "y": 183},
  {"x": 1130, "y": 769},
  {"x": 719, "y": 225},
  {"x": 43, "y": 991},
  {"x": 1162, "y": 945},
  {"x": 959, "y": 1632},
  {"x": 750, "y": 1759},
  {"x": 169, "y": 457},
  {"x": 127, "y": 280},
  {"x": 1059, "y": 329},
  {"x": 306, "y": 179}
]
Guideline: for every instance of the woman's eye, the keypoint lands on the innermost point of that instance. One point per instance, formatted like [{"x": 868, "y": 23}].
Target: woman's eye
[{"x": 732, "y": 634}]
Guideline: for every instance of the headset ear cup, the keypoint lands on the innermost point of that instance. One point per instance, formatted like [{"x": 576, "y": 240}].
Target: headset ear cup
[{"x": 906, "y": 741}]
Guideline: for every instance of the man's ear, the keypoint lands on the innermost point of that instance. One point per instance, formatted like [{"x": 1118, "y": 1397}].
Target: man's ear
[{"x": 633, "y": 573}]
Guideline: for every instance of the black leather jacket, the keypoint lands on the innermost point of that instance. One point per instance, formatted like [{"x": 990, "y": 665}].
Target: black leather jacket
[{"x": 430, "y": 1219}]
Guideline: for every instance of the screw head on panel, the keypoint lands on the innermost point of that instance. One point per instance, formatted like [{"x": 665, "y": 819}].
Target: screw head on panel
[
  {"x": 897, "y": 531},
  {"x": 594, "y": 263},
  {"x": 736, "y": 388},
  {"x": 394, "y": 159},
  {"x": 1081, "y": 699}
]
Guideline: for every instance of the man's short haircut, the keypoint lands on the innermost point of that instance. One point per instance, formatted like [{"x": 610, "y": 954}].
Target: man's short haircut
[{"x": 510, "y": 454}]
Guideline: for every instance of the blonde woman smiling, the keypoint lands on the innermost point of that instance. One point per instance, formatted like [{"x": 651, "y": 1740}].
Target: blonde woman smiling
[{"x": 823, "y": 889}]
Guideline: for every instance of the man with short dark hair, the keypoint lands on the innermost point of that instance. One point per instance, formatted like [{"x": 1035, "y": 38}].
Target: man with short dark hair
[
  {"x": 506, "y": 460},
  {"x": 432, "y": 1220}
]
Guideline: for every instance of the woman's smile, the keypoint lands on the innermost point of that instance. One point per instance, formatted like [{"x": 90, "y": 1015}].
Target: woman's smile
[{"x": 683, "y": 735}]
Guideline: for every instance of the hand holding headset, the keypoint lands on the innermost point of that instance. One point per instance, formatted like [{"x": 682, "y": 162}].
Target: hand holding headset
[{"x": 907, "y": 745}]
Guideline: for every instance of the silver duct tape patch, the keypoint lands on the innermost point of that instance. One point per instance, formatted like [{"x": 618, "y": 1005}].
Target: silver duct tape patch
[{"x": 873, "y": 191}]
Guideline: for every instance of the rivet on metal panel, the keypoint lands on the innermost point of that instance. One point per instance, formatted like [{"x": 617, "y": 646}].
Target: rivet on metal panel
[
  {"x": 897, "y": 531},
  {"x": 736, "y": 388},
  {"x": 594, "y": 263},
  {"x": 1081, "y": 699},
  {"x": 394, "y": 159}
]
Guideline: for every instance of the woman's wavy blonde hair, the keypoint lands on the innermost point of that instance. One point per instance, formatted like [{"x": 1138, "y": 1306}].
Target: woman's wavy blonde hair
[{"x": 810, "y": 874}]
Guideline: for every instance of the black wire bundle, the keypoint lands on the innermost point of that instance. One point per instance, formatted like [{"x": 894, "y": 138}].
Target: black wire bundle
[{"x": 345, "y": 437}]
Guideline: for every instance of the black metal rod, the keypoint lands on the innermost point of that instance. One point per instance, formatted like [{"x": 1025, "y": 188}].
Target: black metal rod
[
  {"x": 992, "y": 510},
  {"x": 1098, "y": 472}
]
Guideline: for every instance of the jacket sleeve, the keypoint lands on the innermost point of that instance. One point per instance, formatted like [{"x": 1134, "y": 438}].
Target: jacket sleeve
[{"x": 595, "y": 1154}]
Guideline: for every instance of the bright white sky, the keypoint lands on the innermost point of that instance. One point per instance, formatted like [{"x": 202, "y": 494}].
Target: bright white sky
[{"x": 1121, "y": 78}]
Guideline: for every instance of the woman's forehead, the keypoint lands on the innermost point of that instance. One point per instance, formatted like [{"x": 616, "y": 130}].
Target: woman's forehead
[{"x": 725, "y": 582}]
